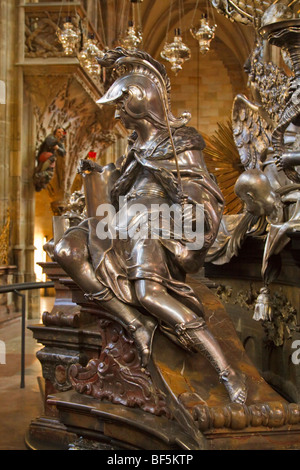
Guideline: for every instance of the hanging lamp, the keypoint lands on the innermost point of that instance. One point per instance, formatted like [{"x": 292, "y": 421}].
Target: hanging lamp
[
  {"x": 133, "y": 38},
  {"x": 68, "y": 36},
  {"x": 204, "y": 34},
  {"x": 205, "y": 31},
  {"x": 88, "y": 56},
  {"x": 176, "y": 52}
]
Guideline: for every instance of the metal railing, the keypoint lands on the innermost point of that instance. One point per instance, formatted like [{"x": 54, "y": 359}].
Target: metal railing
[{"x": 16, "y": 288}]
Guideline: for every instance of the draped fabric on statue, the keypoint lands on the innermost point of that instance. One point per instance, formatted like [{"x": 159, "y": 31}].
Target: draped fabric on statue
[{"x": 165, "y": 259}]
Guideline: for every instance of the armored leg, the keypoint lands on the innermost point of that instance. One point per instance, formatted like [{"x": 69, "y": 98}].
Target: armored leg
[
  {"x": 196, "y": 335},
  {"x": 192, "y": 332},
  {"x": 72, "y": 254}
]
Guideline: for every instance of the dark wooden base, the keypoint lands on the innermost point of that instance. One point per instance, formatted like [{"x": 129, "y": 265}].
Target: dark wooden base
[
  {"x": 91, "y": 424},
  {"x": 200, "y": 414},
  {"x": 111, "y": 425}
]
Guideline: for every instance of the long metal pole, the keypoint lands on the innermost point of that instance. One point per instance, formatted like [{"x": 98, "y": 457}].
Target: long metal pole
[{"x": 25, "y": 286}]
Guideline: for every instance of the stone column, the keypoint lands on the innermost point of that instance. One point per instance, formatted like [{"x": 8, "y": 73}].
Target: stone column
[
  {"x": 5, "y": 7},
  {"x": 16, "y": 163}
]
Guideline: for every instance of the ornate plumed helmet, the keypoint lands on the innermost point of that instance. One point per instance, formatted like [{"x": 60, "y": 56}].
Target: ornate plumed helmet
[{"x": 143, "y": 85}]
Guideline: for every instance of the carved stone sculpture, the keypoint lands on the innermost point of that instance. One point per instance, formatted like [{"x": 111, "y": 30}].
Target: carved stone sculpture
[{"x": 51, "y": 149}]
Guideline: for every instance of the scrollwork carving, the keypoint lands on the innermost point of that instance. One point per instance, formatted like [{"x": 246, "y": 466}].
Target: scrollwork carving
[
  {"x": 117, "y": 375},
  {"x": 56, "y": 364}
]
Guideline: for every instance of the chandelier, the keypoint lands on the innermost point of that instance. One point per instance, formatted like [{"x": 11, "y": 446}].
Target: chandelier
[
  {"x": 88, "y": 56},
  {"x": 69, "y": 36},
  {"x": 204, "y": 34},
  {"x": 176, "y": 52},
  {"x": 77, "y": 40},
  {"x": 133, "y": 38}
]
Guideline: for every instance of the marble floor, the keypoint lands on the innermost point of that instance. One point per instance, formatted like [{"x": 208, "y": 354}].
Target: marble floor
[{"x": 18, "y": 406}]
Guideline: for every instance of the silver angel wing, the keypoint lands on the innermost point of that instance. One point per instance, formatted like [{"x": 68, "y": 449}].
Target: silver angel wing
[{"x": 251, "y": 132}]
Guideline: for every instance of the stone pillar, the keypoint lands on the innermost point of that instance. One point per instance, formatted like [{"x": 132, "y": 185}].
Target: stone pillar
[
  {"x": 4, "y": 122},
  {"x": 28, "y": 202},
  {"x": 7, "y": 9},
  {"x": 16, "y": 163}
]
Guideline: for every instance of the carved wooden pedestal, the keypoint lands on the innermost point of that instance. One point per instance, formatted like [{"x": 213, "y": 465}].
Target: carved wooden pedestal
[
  {"x": 111, "y": 402},
  {"x": 69, "y": 336}
]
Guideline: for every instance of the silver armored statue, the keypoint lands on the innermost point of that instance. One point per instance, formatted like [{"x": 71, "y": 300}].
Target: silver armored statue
[{"x": 152, "y": 217}]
